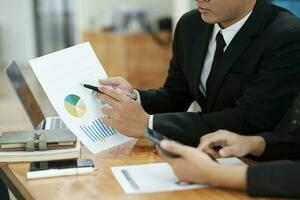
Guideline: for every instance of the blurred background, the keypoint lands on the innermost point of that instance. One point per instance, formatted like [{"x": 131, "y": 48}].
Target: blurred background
[{"x": 132, "y": 39}]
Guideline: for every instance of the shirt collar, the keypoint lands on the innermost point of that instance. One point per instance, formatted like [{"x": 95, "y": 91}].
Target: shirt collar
[{"x": 229, "y": 32}]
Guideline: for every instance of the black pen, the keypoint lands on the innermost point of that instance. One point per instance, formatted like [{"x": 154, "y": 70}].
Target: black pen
[
  {"x": 91, "y": 87},
  {"x": 96, "y": 89}
]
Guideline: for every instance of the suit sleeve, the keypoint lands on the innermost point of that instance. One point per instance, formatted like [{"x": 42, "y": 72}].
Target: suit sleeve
[
  {"x": 265, "y": 100},
  {"x": 175, "y": 95},
  {"x": 281, "y": 145},
  {"x": 274, "y": 179},
  {"x": 280, "y": 178}
]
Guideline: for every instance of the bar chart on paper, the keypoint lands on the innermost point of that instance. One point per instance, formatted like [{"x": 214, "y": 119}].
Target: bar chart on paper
[{"x": 98, "y": 131}]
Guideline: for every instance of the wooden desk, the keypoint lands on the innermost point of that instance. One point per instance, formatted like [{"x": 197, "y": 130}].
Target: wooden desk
[{"x": 101, "y": 184}]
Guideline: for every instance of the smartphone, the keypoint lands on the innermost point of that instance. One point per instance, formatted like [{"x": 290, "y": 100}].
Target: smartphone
[
  {"x": 60, "y": 168},
  {"x": 155, "y": 137},
  {"x": 61, "y": 164}
]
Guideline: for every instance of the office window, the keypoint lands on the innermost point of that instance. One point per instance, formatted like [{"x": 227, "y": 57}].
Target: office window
[{"x": 292, "y": 5}]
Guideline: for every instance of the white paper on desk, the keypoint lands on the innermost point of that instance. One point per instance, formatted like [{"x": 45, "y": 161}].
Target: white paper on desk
[
  {"x": 60, "y": 75},
  {"x": 157, "y": 177}
]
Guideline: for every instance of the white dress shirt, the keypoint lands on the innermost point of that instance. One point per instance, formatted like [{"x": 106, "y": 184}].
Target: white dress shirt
[{"x": 228, "y": 35}]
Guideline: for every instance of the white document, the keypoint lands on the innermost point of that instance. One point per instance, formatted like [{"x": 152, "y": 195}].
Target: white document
[
  {"x": 157, "y": 177},
  {"x": 60, "y": 75}
]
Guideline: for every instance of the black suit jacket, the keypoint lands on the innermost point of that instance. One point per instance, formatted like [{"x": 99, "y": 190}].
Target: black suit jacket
[
  {"x": 280, "y": 178},
  {"x": 274, "y": 179},
  {"x": 258, "y": 79}
]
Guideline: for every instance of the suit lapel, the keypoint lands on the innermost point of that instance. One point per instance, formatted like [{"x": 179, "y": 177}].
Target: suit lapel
[
  {"x": 243, "y": 39},
  {"x": 232, "y": 53},
  {"x": 198, "y": 57}
]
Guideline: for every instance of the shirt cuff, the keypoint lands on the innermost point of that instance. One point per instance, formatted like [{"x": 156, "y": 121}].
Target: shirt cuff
[
  {"x": 150, "y": 123},
  {"x": 138, "y": 99}
]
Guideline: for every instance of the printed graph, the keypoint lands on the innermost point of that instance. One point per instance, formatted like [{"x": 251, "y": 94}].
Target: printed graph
[
  {"x": 98, "y": 131},
  {"x": 74, "y": 105}
]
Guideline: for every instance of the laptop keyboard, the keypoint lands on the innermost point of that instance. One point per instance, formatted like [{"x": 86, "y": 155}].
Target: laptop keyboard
[{"x": 57, "y": 123}]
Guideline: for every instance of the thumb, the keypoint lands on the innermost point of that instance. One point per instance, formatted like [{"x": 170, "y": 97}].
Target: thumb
[
  {"x": 105, "y": 81},
  {"x": 174, "y": 147},
  {"x": 112, "y": 81},
  {"x": 227, "y": 152}
]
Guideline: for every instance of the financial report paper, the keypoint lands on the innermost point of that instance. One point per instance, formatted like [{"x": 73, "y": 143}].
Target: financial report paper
[
  {"x": 61, "y": 74},
  {"x": 157, "y": 177}
]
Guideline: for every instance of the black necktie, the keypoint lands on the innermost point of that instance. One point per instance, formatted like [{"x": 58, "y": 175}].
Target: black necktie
[{"x": 217, "y": 58}]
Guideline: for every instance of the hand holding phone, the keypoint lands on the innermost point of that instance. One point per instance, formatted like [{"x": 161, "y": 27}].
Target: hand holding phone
[{"x": 154, "y": 137}]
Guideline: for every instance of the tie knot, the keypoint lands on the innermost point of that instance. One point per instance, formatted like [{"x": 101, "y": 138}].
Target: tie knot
[{"x": 220, "y": 41}]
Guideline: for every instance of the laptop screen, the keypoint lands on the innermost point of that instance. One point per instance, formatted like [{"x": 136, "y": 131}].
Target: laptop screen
[{"x": 24, "y": 94}]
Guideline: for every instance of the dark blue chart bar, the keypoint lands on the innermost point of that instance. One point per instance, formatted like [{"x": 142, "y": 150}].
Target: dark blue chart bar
[{"x": 98, "y": 131}]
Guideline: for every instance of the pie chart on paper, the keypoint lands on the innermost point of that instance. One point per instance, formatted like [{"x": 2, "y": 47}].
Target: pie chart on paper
[{"x": 74, "y": 105}]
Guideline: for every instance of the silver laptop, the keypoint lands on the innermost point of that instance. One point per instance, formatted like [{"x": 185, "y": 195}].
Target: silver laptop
[{"x": 25, "y": 96}]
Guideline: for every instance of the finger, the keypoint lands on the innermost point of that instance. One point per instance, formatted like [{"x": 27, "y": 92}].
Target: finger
[
  {"x": 126, "y": 93},
  {"x": 227, "y": 152},
  {"x": 112, "y": 81},
  {"x": 217, "y": 134},
  {"x": 109, "y": 112},
  {"x": 211, "y": 152},
  {"x": 204, "y": 144},
  {"x": 212, "y": 141},
  {"x": 164, "y": 157},
  {"x": 205, "y": 139},
  {"x": 107, "y": 121},
  {"x": 107, "y": 99},
  {"x": 209, "y": 135},
  {"x": 112, "y": 93},
  {"x": 175, "y": 147}
]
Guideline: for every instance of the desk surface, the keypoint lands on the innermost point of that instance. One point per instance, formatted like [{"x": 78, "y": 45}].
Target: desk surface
[{"x": 102, "y": 184}]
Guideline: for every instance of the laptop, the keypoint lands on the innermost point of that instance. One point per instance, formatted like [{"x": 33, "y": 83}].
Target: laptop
[{"x": 30, "y": 105}]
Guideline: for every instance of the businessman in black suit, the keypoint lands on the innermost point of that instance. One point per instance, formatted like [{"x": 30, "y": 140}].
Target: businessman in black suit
[
  {"x": 280, "y": 146},
  {"x": 239, "y": 59}
]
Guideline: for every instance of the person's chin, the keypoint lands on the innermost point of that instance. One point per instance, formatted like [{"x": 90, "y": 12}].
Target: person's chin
[
  {"x": 206, "y": 16},
  {"x": 208, "y": 19}
]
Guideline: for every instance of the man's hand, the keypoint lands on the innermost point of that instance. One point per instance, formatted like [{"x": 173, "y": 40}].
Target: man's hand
[
  {"x": 222, "y": 144},
  {"x": 193, "y": 165},
  {"x": 197, "y": 167},
  {"x": 126, "y": 115},
  {"x": 118, "y": 82}
]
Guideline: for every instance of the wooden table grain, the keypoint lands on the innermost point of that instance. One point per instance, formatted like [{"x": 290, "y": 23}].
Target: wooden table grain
[{"x": 102, "y": 184}]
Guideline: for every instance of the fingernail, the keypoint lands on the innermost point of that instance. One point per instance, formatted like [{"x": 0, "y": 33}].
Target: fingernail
[
  {"x": 164, "y": 143},
  {"x": 101, "y": 88},
  {"x": 222, "y": 153}
]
